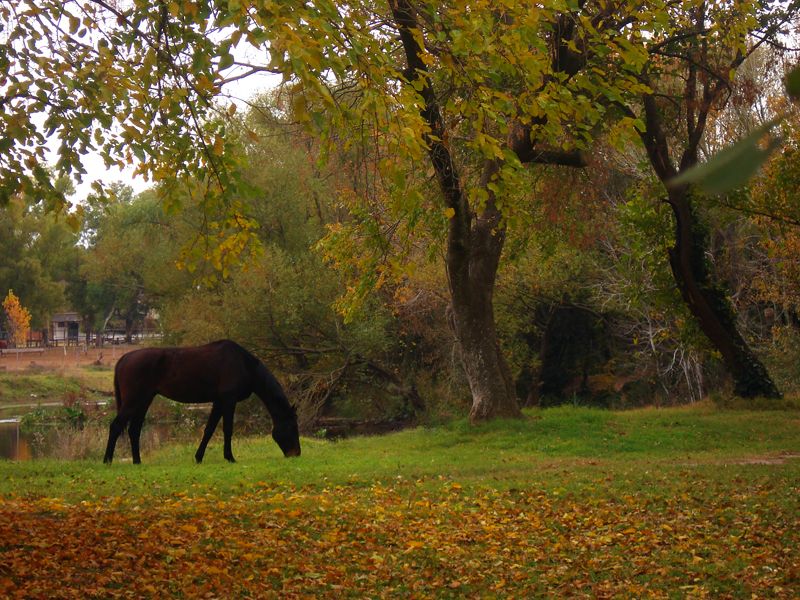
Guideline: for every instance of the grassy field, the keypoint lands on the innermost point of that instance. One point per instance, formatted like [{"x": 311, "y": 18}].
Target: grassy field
[{"x": 692, "y": 502}]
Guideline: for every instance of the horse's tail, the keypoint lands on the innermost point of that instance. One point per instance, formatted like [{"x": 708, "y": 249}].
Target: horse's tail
[{"x": 117, "y": 394}]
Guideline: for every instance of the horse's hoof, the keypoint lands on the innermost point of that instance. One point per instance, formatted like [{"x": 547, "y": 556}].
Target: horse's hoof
[
  {"x": 230, "y": 459},
  {"x": 198, "y": 459}
]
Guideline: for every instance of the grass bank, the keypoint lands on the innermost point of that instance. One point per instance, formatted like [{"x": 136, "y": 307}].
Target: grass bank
[
  {"x": 35, "y": 385},
  {"x": 650, "y": 503}
]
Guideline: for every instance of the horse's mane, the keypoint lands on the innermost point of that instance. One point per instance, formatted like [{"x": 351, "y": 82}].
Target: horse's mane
[{"x": 274, "y": 397}]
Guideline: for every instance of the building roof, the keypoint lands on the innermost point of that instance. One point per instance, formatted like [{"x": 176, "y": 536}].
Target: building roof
[{"x": 66, "y": 316}]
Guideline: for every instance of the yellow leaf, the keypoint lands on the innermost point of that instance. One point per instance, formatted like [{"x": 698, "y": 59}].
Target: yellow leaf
[
  {"x": 188, "y": 528},
  {"x": 449, "y": 212},
  {"x": 218, "y": 146}
]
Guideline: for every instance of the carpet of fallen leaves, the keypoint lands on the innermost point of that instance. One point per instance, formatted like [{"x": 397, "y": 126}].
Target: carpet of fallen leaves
[{"x": 404, "y": 539}]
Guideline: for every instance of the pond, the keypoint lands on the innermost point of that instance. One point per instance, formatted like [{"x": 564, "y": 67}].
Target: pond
[
  {"x": 13, "y": 444},
  {"x": 50, "y": 435},
  {"x": 64, "y": 441}
]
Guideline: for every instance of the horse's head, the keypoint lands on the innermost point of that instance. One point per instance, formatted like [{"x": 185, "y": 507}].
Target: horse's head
[{"x": 287, "y": 436}]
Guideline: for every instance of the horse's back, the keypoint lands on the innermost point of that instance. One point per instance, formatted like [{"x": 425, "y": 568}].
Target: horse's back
[{"x": 192, "y": 374}]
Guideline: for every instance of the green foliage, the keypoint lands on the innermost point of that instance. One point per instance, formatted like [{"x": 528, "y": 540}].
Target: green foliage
[
  {"x": 69, "y": 64},
  {"x": 783, "y": 359},
  {"x": 614, "y": 265},
  {"x": 35, "y": 420},
  {"x": 793, "y": 84},
  {"x": 546, "y": 273}
]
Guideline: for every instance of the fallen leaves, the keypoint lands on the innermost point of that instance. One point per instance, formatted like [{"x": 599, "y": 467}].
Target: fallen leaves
[{"x": 408, "y": 539}]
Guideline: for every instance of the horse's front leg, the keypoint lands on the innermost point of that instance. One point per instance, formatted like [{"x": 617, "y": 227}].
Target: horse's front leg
[
  {"x": 213, "y": 419},
  {"x": 227, "y": 429}
]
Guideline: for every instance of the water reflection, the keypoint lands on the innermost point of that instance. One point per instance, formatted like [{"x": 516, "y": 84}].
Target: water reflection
[
  {"x": 58, "y": 440},
  {"x": 86, "y": 439},
  {"x": 13, "y": 444}
]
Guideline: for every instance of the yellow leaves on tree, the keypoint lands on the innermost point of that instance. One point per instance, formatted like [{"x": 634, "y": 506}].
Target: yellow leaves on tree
[{"x": 18, "y": 318}]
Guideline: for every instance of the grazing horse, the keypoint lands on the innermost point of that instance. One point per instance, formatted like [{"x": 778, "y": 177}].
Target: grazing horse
[{"x": 222, "y": 373}]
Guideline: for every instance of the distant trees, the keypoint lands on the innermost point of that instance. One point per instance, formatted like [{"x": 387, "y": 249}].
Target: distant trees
[
  {"x": 129, "y": 263},
  {"x": 37, "y": 253},
  {"x": 18, "y": 319},
  {"x": 280, "y": 301}
]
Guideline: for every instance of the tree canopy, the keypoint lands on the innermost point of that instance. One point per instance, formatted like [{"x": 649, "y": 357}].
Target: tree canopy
[{"x": 446, "y": 129}]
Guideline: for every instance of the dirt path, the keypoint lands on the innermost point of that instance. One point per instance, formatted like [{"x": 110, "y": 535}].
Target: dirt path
[{"x": 61, "y": 357}]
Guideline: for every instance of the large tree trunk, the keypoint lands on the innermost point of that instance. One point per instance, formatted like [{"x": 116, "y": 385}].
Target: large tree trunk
[
  {"x": 485, "y": 367},
  {"x": 472, "y": 271},
  {"x": 708, "y": 302},
  {"x": 475, "y": 238}
]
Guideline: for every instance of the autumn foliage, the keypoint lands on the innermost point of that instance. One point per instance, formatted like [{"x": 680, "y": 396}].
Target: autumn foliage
[
  {"x": 409, "y": 539},
  {"x": 18, "y": 318}
]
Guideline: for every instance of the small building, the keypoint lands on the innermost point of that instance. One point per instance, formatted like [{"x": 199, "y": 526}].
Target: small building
[{"x": 65, "y": 328}]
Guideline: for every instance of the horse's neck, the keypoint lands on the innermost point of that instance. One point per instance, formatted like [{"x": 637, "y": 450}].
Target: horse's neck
[
  {"x": 273, "y": 396},
  {"x": 277, "y": 409}
]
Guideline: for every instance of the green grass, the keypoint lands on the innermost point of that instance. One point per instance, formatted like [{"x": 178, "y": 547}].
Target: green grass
[{"x": 554, "y": 448}]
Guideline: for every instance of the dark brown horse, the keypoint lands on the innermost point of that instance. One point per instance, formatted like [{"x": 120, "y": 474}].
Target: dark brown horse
[{"x": 222, "y": 373}]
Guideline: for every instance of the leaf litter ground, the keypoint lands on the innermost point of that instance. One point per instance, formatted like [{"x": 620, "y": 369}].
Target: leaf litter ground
[{"x": 688, "y": 537}]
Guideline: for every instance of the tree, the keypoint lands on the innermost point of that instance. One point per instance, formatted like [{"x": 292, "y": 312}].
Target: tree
[
  {"x": 471, "y": 93},
  {"x": 36, "y": 252},
  {"x": 689, "y": 74},
  {"x": 482, "y": 94},
  {"x": 280, "y": 302},
  {"x": 474, "y": 93},
  {"x": 18, "y": 318},
  {"x": 130, "y": 264}
]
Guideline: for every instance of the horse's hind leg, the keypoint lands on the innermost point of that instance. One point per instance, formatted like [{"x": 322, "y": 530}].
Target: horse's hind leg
[
  {"x": 120, "y": 422},
  {"x": 213, "y": 420},
  {"x": 135, "y": 431},
  {"x": 114, "y": 431}
]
